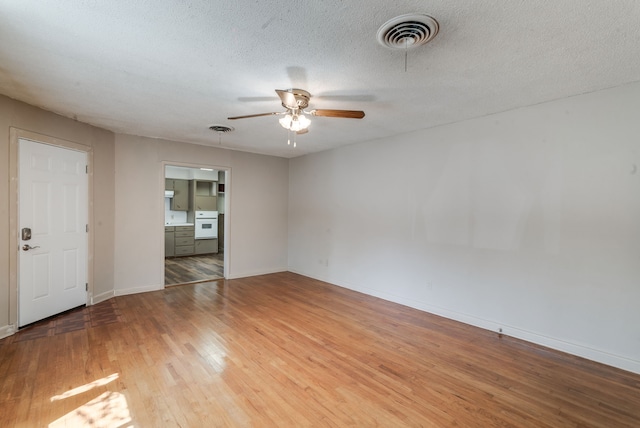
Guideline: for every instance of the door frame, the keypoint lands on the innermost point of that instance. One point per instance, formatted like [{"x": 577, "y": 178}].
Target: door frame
[
  {"x": 15, "y": 134},
  {"x": 227, "y": 207}
]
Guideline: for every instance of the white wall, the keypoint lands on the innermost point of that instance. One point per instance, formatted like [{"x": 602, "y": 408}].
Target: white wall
[
  {"x": 257, "y": 218},
  {"x": 29, "y": 118},
  {"x": 527, "y": 220}
]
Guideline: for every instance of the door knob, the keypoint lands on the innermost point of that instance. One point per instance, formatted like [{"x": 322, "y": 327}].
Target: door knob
[{"x": 27, "y": 247}]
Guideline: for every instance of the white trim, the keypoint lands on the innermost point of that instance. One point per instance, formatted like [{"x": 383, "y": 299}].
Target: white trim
[
  {"x": 7, "y": 330},
  {"x": 575, "y": 349},
  {"x": 102, "y": 297},
  {"x": 136, "y": 290},
  {"x": 257, "y": 273},
  {"x": 227, "y": 208}
]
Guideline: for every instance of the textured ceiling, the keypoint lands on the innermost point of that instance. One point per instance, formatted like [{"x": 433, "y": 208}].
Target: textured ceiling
[{"x": 172, "y": 68}]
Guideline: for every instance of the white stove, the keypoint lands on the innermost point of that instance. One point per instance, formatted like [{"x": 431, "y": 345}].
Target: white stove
[{"x": 206, "y": 224}]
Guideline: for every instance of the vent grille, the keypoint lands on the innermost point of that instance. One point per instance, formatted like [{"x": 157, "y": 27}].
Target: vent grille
[
  {"x": 407, "y": 31},
  {"x": 221, "y": 128}
]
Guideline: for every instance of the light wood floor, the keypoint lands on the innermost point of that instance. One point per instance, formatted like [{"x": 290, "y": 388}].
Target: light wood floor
[
  {"x": 204, "y": 267},
  {"x": 283, "y": 350}
]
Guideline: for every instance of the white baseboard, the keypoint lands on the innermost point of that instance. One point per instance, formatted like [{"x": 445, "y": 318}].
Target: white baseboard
[
  {"x": 256, "y": 273},
  {"x": 136, "y": 290},
  {"x": 575, "y": 349},
  {"x": 102, "y": 297},
  {"x": 7, "y": 330},
  {"x": 596, "y": 355}
]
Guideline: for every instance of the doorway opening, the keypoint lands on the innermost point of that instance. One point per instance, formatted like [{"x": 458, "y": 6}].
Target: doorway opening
[{"x": 194, "y": 222}]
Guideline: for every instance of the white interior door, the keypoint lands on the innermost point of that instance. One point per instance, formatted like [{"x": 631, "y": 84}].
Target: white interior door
[{"x": 53, "y": 204}]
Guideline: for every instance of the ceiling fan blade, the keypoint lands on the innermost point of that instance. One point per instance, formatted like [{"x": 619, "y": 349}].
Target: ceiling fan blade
[
  {"x": 254, "y": 115},
  {"x": 287, "y": 97},
  {"x": 349, "y": 114}
]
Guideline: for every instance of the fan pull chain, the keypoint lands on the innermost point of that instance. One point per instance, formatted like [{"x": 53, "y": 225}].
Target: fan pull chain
[
  {"x": 289, "y": 138},
  {"x": 406, "y": 50}
]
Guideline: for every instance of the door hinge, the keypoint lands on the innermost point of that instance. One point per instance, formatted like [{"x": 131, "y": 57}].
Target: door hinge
[
  {"x": 86, "y": 286},
  {"x": 86, "y": 169},
  {"x": 86, "y": 228}
]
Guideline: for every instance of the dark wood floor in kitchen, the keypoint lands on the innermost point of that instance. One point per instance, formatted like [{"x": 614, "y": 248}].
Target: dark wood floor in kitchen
[{"x": 183, "y": 270}]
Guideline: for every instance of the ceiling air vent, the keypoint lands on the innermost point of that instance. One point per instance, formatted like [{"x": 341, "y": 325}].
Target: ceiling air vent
[
  {"x": 407, "y": 31},
  {"x": 221, "y": 128}
]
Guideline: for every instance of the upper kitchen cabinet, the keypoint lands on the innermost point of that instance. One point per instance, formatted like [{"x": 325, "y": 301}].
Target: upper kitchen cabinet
[
  {"x": 180, "y": 200},
  {"x": 203, "y": 195}
]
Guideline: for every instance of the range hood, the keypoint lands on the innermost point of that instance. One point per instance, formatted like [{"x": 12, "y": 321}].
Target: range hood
[{"x": 168, "y": 193}]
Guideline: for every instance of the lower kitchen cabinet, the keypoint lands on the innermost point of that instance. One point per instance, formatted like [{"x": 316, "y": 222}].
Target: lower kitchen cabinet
[
  {"x": 169, "y": 241},
  {"x": 206, "y": 246},
  {"x": 180, "y": 241},
  {"x": 184, "y": 250},
  {"x": 184, "y": 241}
]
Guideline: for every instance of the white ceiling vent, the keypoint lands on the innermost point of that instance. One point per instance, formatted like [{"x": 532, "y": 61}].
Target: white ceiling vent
[
  {"x": 407, "y": 31},
  {"x": 221, "y": 128}
]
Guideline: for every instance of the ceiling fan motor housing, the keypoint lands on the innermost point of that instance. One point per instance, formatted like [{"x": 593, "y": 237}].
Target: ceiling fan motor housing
[{"x": 299, "y": 99}]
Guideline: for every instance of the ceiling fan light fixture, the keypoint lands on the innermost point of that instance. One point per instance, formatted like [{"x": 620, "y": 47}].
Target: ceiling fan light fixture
[
  {"x": 301, "y": 123},
  {"x": 295, "y": 123},
  {"x": 285, "y": 121}
]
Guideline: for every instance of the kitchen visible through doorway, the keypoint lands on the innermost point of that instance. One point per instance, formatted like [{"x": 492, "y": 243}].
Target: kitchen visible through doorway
[{"x": 194, "y": 222}]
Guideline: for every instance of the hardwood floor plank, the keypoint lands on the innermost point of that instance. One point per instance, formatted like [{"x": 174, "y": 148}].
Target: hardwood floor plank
[
  {"x": 284, "y": 350},
  {"x": 184, "y": 270}
]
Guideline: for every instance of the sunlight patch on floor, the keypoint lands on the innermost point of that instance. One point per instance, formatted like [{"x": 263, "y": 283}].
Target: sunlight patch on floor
[
  {"x": 109, "y": 409},
  {"x": 85, "y": 387}
]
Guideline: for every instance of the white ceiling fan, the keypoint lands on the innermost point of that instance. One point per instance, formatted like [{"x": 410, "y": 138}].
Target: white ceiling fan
[{"x": 295, "y": 101}]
